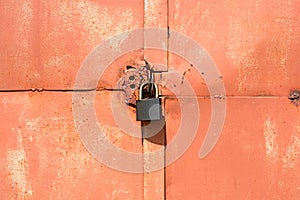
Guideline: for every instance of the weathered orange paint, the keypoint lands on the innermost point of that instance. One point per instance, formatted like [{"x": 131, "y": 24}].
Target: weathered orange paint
[
  {"x": 257, "y": 156},
  {"x": 42, "y": 156},
  {"x": 43, "y": 43},
  {"x": 255, "y": 45}
]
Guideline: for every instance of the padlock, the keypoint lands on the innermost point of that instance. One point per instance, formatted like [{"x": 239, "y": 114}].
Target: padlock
[{"x": 148, "y": 109}]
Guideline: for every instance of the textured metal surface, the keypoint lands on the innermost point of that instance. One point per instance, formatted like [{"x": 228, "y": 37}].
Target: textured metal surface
[
  {"x": 42, "y": 45},
  {"x": 42, "y": 157},
  {"x": 255, "y": 45},
  {"x": 254, "y": 160}
]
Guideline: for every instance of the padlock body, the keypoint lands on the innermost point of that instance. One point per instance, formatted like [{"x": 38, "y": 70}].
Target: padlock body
[{"x": 148, "y": 109}]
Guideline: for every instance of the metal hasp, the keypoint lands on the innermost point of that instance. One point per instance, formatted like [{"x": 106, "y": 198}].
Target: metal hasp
[{"x": 148, "y": 108}]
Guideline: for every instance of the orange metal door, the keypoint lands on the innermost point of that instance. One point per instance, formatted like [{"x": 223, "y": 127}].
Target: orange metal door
[{"x": 255, "y": 46}]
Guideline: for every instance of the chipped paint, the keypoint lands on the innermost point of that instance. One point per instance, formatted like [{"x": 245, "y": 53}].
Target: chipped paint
[
  {"x": 150, "y": 9},
  {"x": 155, "y": 13},
  {"x": 33, "y": 124},
  {"x": 292, "y": 153},
  {"x": 270, "y": 135},
  {"x": 17, "y": 164},
  {"x": 57, "y": 60}
]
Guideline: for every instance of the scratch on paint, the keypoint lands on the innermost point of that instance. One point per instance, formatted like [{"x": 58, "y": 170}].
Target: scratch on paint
[{"x": 270, "y": 140}]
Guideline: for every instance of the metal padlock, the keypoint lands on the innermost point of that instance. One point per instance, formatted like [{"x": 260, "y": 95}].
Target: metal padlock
[{"x": 148, "y": 109}]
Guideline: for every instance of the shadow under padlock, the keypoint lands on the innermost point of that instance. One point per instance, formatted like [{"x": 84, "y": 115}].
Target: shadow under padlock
[{"x": 155, "y": 131}]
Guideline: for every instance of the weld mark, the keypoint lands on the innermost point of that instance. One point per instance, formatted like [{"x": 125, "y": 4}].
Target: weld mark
[
  {"x": 295, "y": 97},
  {"x": 39, "y": 90}
]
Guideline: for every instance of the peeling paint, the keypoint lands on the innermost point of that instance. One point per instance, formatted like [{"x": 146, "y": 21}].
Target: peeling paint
[{"x": 270, "y": 139}]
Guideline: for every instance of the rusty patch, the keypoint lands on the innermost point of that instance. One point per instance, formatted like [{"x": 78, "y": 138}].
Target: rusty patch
[{"x": 131, "y": 81}]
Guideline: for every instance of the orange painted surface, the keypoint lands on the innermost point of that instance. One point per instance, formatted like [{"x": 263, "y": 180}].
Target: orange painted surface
[
  {"x": 255, "y": 45},
  {"x": 42, "y": 156},
  {"x": 257, "y": 156},
  {"x": 43, "y": 43}
]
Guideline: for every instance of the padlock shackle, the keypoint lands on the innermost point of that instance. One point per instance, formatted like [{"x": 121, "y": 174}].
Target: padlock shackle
[{"x": 142, "y": 86}]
